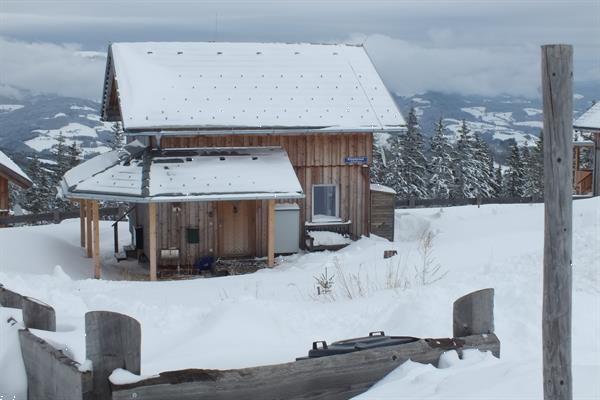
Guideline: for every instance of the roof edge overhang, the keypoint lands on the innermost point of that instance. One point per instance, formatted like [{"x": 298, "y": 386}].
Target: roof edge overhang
[
  {"x": 180, "y": 198},
  {"x": 586, "y": 128},
  {"x": 18, "y": 179},
  {"x": 190, "y": 131}
]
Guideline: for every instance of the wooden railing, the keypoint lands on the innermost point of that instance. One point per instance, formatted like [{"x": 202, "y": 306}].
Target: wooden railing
[
  {"x": 54, "y": 217},
  {"x": 583, "y": 181}
]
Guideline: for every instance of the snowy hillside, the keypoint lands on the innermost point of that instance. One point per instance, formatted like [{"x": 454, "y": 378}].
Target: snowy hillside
[
  {"x": 274, "y": 315},
  {"x": 34, "y": 125}
]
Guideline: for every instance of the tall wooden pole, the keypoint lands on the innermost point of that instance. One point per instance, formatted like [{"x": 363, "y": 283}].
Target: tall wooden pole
[
  {"x": 88, "y": 225},
  {"x": 557, "y": 91},
  {"x": 96, "y": 239},
  {"x": 271, "y": 233},
  {"x": 152, "y": 239},
  {"x": 596, "y": 170}
]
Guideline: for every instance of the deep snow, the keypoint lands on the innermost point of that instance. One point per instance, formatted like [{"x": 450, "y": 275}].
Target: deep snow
[{"x": 274, "y": 315}]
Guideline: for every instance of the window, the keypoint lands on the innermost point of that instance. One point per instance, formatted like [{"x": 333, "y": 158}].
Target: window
[
  {"x": 193, "y": 235},
  {"x": 325, "y": 203}
]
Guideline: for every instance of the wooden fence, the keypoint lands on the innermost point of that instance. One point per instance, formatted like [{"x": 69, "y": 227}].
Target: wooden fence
[
  {"x": 54, "y": 216},
  {"x": 113, "y": 341}
]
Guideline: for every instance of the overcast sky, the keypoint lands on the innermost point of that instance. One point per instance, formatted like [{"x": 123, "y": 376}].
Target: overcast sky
[{"x": 483, "y": 47}]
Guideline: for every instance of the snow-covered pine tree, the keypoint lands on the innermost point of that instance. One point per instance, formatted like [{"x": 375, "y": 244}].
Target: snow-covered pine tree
[
  {"x": 514, "y": 175},
  {"x": 483, "y": 179},
  {"x": 378, "y": 165},
  {"x": 73, "y": 155},
  {"x": 498, "y": 182},
  {"x": 38, "y": 197},
  {"x": 392, "y": 174},
  {"x": 536, "y": 170},
  {"x": 414, "y": 163},
  {"x": 528, "y": 168},
  {"x": 464, "y": 165},
  {"x": 117, "y": 140},
  {"x": 439, "y": 168}
]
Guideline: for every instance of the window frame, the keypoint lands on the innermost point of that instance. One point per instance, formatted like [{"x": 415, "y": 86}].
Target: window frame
[{"x": 335, "y": 218}]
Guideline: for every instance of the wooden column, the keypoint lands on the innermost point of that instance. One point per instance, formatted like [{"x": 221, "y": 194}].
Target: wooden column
[
  {"x": 152, "y": 239},
  {"x": 88, "y": 224},
  {"x": 577, "y": 152},
  {"x": 596, "y": 170},
  {"x": 82, "y": 224},
  {"x": 96, "y": 222},
  {"x": 271, "y": 233},
  {"x": 557, "y": 92}
]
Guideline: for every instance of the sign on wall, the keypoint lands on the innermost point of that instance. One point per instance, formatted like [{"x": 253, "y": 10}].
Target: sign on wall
[{"x": 360, "y": 160}]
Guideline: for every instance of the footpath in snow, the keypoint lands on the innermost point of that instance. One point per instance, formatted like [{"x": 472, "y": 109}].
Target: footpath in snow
[{"x": 273, "y": 316}]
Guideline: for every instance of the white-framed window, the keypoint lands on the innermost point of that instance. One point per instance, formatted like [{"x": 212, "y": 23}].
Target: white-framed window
[{"x": 325, "y": 203}]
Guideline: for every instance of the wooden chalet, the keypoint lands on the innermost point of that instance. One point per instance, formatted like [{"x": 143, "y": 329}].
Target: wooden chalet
[
  {"x": 236, "y": 150},
  {"x": 586, "y": 146},
  {"x": 10, "y": 172}
]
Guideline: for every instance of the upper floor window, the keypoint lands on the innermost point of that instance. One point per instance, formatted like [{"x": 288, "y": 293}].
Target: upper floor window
[{"x": 325, "y": 203}]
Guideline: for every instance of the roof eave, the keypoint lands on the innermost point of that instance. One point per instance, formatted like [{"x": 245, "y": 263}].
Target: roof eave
[{"x": 191, "y": 131}]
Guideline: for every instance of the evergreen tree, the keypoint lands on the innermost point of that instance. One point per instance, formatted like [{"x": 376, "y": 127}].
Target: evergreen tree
[
  {"x": 414, "y": 163},
  {"x": 483, "y": 175},
  {"x": 378, "y": 164},
  {"x": 440, "y": 170},
  {"x": 528, "y": 172},
  {"x": 118, "y": 137},
  {"x": 38, "y": 197},
  {"x": 73, "y": 155},
  {"x": 498, "y": 182},
  {"x": 465, "y": 165},
  {"x": 536, "y": 168},
  {"x": 514, "y": 175},
  {"x": 393, "y": 173}
]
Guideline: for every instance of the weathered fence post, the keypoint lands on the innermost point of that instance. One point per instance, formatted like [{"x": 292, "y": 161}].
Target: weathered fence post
[
  {"x": 473, "y": 314},
  {"x": 38, "y": 315},
  {"x": 557, "y": 91},
  {"x": 112, "y": 340},
  {"x": 11, "y": 299}
]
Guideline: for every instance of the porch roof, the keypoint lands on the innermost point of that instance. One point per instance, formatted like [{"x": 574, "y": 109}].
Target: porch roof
[{"x": 139, "y": 174}]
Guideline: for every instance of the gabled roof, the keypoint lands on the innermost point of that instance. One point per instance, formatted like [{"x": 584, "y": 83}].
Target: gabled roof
[
  {"x": 12, "y": 171},
  {"x": 589, "y": 120},
  {"x": 246, "y": 86},
  {"x": 141, "y": 175}
]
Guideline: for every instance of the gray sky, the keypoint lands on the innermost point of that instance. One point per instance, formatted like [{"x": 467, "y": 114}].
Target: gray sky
[{"x": 483, "y": 47}]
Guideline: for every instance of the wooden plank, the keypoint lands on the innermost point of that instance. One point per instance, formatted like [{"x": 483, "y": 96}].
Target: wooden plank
[
  {"x": 596, "y": 170},
  {"x": 112, "y": 340},
  {"x": 557, "y": 93},
  {"x": 271, "y": 234},
  {"x": 152, "y": 240},
  {"x": 338, "y": 377},
  {"x": 88, "y": 221},
  {"x": 82, "y": 214},
  {"x": 96, "y": 222}
]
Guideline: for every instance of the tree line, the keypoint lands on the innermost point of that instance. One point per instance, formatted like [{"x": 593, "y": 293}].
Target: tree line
[{"x": 438, "y": 168}]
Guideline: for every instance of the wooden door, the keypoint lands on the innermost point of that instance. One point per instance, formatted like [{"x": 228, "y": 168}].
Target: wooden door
[{"x": 237, "y": 228}]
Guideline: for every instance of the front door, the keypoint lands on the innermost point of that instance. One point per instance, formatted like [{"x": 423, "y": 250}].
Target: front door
[{"x": 237, "y": 228}]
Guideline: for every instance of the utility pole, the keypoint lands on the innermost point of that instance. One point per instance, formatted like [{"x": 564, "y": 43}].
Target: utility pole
[{"x": 557, "y": 92}]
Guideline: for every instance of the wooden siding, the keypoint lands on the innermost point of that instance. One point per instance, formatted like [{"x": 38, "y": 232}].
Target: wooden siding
[
  {"x": 4, "y": 196},
  {"x": 317, "y": 159},
  {"x": 382, "y": 214}
]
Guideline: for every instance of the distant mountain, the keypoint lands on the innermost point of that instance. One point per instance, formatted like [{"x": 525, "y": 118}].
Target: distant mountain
[
  {"x": 501, "y": 120},
  {"x": 31, "y": 124}
]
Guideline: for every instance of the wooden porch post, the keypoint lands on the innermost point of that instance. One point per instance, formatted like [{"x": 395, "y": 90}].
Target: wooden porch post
[
  {"x": 82, "y": 224},
  {"x": 88, "y": 224},
  {"x": 152, "y": 239},
  {"x": 96, "y": 240},
  {"x": 271, "y": 234},
  {"x": 577, "y": 152}
]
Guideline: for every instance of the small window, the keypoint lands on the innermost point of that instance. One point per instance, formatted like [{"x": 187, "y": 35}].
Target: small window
[
  {"x": 325, "y": 203},
  {"x": 193, "y": 235}
]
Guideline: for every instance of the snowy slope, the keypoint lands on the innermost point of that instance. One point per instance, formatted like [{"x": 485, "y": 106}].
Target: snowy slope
[{"x": 274, "y": 315}]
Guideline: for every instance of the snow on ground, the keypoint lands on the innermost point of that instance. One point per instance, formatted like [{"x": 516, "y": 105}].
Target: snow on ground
[
  {"x": 10, "y": 107},
  {"x": 273, "y": 316}
]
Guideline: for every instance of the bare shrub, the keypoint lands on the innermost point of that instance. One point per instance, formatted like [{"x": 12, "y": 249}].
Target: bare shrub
[{"x": 429, "y": 270}]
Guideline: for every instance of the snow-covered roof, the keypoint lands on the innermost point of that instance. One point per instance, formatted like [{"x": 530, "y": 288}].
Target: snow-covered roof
[
  {"x": 376, "y": 187},
  {"x": 589, "y": 120},
  {"x": 246, "y": 86},
  {"x": 195, "y": 174},
  {"x": 13, "y": 172}
]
